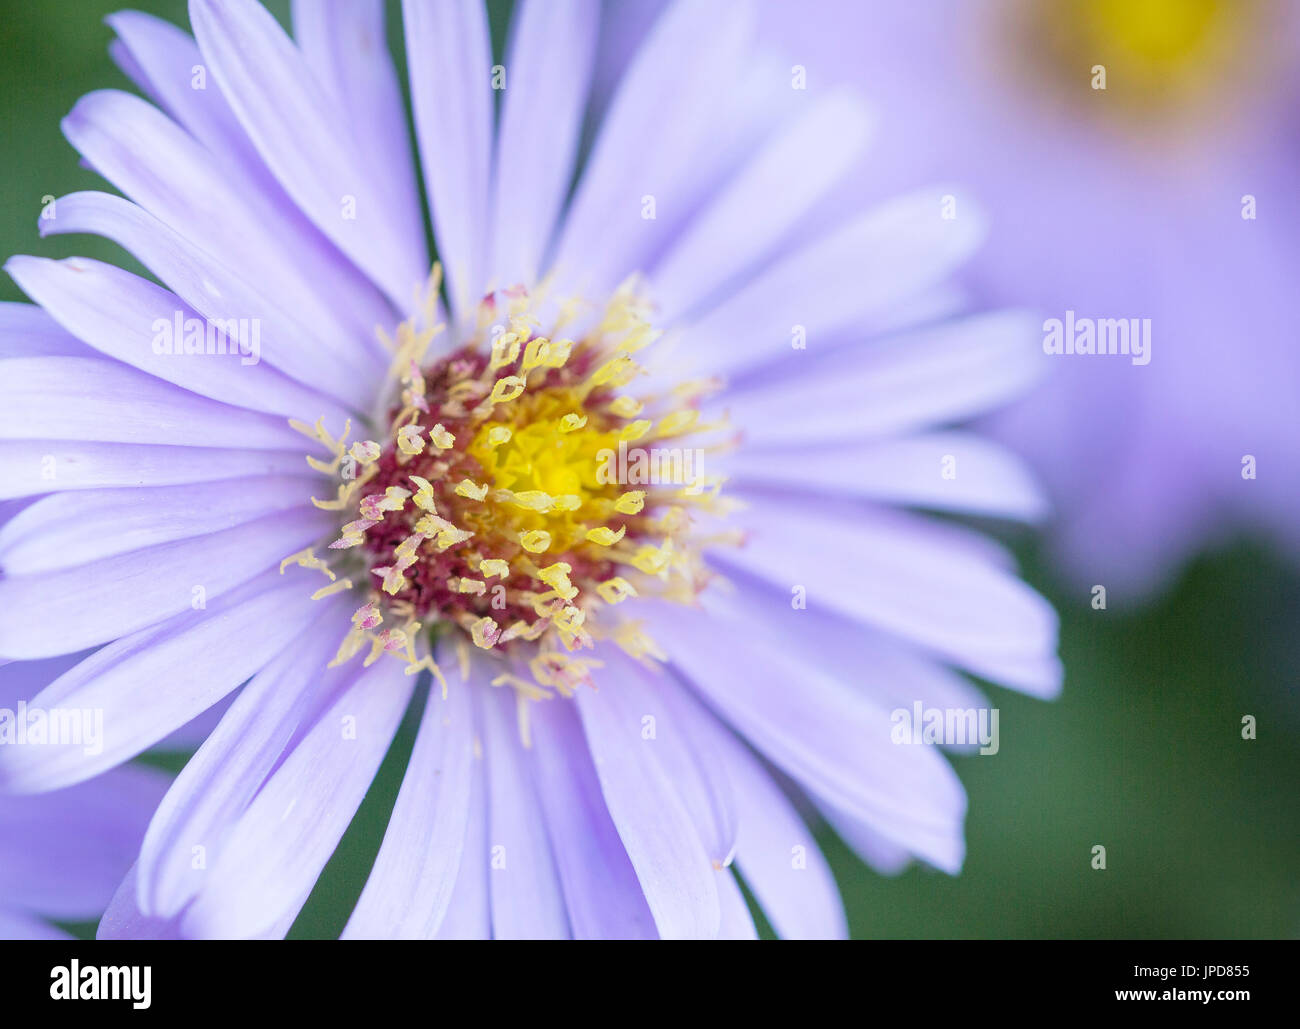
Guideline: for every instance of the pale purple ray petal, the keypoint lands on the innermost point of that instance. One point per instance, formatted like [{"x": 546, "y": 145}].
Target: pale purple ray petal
[
  {"x": 346, "y": 44},
  {"x": 825, "y": 734},
  {"x": 90, "y": 398},
  {"x": 682, "y": 730},
  {"x": 882, "y": 667},
  {"x": 661, "y": 839},
  {"x": 881, "y": 853},
  {"x": 31, "y": 467},
  {"x": 623, "y": 28},
  {"x": 552, "y": 47},
  {"x": 741, "y": 226},
  {"x": 527, "y": 900},
  {"x": 849, "y": 279},
  {"x": 945, "y": 471},
  {"x": 22, "y": 680},
  {"x": 62, "y": 854},
  {"x": 674, "y": 97},
  {"x": 469, "y": 912},
  {"x": 202, "y": 281},
  {"x": 220, "y": 780},
  {"x": 27, "y": 331},
  {"x": 449, "y": 56},
  {"x": 165, "y": 62},
  {"x": 303, "y": 137},
  {"x": 737, "y": 922},
  {"x": 77, "y": 528},
  {"x": 933, "y": 375},
  {"x": 777, "y": 854},
  {"x": 907, "y": 575},
  {"x": 419, "y": 864},
  {"x": 124, "y": 921},
  {"x": 190, "y": 736},
  {"x": 51, "y": 613},
  {"x": 122, "y": 315},
  {"x": 275, "y": 852},
  {"x": 751, "y": 794},
  {"x": 603, "y": 906},
  {"x": 151, "y": 683},
  {"x": 774, "y": 849},
  {"x": 190, "y": 189}
]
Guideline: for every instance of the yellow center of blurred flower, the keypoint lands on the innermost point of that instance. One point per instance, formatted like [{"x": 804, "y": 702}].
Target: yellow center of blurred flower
[{"x": 1172, "y": 62}]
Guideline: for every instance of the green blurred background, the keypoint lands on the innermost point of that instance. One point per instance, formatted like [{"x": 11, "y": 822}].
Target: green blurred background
[{"x": 1142, "y": 754}]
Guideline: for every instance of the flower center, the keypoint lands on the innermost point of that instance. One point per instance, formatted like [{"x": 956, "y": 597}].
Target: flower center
[
  {"x": 1165, "y": 61},
  {"x": 499, "y": 502}
]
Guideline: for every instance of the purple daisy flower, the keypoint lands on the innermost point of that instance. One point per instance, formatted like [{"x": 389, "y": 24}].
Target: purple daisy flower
[
  {"x": 1138, "y": 158},
  {"x": 63, "y": 854},
  {"x": 631, "y": 484}
]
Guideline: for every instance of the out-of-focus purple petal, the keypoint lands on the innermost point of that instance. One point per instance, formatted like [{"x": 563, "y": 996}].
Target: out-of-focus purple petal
[
  {"x": 740, "y": 227},
  {"x": 987, "y": 479},
  {"x": 877, "y": 850},
  {"x": 62, "y": 854},
  {"x": 673, "y": 97},
  {"x": 163, "y": 60},
  {"x": 22, "y": 680},
  {"x": 882, "y": 667},
  {"x": 825, "y": 734},
  {"x": 849, "y": 279},
  {"x": 900, "y": 573},
  {"x": 737, "y": 922},
  {"x": 933, "y": 375},
  {"x": 19, "y": 925},
  {"x": 27, "y": 331},
  {"x": 124, "y": 921}
]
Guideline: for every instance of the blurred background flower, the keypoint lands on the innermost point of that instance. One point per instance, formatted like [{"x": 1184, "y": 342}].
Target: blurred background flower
[
  {"x": 1137, "y": 156},
  {"x": 62, "y": 854},
  {"x": 1123, "y": 202}
]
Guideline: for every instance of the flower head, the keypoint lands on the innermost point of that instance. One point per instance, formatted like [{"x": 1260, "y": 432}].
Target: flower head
[{"x": 611, "y": 631}]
